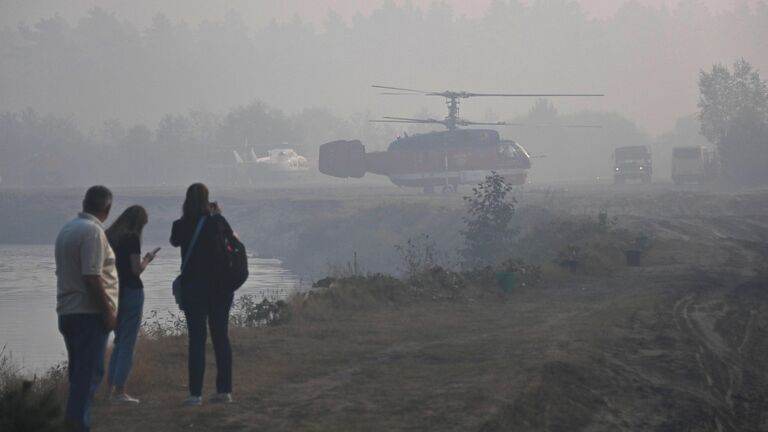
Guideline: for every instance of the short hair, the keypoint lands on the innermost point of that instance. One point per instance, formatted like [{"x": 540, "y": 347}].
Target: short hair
[{"x": 97, "y": 199}]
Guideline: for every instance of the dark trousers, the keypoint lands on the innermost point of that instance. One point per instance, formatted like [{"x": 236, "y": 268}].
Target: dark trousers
[
  {"x": 214, "y": 308},
  {"x": 86, "y": 340}
]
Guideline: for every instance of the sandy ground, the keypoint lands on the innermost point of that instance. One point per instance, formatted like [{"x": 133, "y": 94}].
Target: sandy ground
[{"x": 679, "y": 343}]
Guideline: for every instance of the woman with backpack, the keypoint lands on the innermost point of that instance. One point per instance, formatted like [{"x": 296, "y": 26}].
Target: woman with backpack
[
  {"x": 124, "y": 236},
  {"x": 204, "y": 298}
]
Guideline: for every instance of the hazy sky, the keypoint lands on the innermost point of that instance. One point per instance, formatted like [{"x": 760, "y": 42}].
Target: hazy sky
[
  {"x": 259, "y": 12},
  {"x": 633, "y": 86}
]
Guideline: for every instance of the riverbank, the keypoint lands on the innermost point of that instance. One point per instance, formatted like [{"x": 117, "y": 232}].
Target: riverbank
[
  {"x": 588, "y": 343},
  {"x": 299, "y": 226},
  {"x": 318, "y": 230},
  {"x": 662, "y": 348}
]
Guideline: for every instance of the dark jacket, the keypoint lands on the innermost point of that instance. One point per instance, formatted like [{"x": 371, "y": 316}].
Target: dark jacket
[{"x": 202, "y": 273}]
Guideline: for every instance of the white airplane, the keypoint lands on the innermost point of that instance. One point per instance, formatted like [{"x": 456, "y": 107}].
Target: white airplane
[{"x": 276, "y": 160}]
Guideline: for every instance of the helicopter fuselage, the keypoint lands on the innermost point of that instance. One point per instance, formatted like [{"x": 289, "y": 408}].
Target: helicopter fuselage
[{"x": 435, "y": 159}]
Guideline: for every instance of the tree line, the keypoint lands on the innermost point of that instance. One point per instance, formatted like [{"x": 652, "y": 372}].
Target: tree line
[
  {"x": 103, "y": 66},
  {"x": 734, "y": 117},
  {"x": 45, "y": 150}
]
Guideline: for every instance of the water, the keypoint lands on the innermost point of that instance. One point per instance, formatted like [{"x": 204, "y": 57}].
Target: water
[{"x": 28, "y": 320}]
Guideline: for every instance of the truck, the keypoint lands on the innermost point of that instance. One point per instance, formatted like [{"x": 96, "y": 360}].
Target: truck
[
  {"x": 632, "y": 163},
  {"x": 693, "y": 164}
]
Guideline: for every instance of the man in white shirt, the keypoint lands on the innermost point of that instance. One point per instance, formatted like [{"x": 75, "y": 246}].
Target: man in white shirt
[{"x": 87, "y": 295}]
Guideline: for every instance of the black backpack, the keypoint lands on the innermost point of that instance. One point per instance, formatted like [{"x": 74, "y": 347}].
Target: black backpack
[{"x": 234, "y": 260}]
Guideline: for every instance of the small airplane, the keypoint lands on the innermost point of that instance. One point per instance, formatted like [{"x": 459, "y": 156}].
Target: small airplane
[
  {"x": 437, "y": 159},
  {"x": 284, "y": 159}
]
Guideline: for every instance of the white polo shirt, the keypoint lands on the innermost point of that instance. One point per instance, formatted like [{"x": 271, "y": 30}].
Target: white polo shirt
[{"x": 82, "y": 249}]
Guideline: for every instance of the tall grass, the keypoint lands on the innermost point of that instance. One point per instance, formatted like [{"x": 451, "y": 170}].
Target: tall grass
[
  {"x": 30, "y": 403},
  {"x": 247, "y": 311}
]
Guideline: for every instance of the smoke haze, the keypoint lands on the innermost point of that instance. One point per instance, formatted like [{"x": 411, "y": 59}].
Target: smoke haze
[{"x": 138, "y": 63}]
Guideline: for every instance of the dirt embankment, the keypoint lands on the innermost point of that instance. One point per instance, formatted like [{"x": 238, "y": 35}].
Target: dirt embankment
[
  {"x": 673, "y": 348},
  {"x": 679, "y": 343},
  {"x": 676, "y": 344}
]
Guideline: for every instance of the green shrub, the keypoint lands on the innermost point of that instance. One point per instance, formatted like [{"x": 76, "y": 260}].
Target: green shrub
[{"x": 489, "y": 233}]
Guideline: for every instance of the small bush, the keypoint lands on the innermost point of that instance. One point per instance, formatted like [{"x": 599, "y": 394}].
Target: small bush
[
  {"x": 248, "y": 313},
  {"x": 30, "y": 404},
  {"x": 489, "y": 233},
  {"x": 158, "y": 325},
  {"x": 418, "y": 254}
]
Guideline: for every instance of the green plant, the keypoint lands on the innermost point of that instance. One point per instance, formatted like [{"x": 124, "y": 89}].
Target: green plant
[
  {"x": 488, "y": 235},
  {"x": 248, "y": 312},
  {"x": 158, "y": 325},
  {"x": 418, "y": 254}
]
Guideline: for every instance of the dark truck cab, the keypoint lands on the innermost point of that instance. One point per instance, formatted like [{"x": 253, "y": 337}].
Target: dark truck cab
[{"x": 632, "y": 163}]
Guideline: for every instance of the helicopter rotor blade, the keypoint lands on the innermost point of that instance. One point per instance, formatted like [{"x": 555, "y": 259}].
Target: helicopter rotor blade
[
  {"x": 427, "y": 120},
  {"x": 500, "y": 123},
  {"x": 409, "y": 121},
  {"x": 393, "y": 121},
  {"x": 566, "y": 126},
  {"x": 578, "y": 126},
  {"x": 465, "y": 95},
  {"x": 400, "y": 89},
  {"x": 503, "y": 123},
  {"x": 534, "y": 94},
  {"x": 406, "y": 118}
]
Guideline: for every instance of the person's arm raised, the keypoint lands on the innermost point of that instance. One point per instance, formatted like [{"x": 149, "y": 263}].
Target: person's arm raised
[{"x": 138, "y": 264}]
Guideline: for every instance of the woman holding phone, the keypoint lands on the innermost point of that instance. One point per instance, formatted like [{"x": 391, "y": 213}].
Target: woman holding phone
[
  {"x": 125, "y": 238},
  {"x": 203, "y": 299}
]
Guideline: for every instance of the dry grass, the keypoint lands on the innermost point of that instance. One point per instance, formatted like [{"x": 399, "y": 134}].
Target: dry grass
[
  {"x": 608, "y": 353},
  {"x": 30, "y": 403},
  {"x": 597, "y": 354}
]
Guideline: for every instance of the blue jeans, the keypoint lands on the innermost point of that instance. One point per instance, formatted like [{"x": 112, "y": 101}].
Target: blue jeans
[
  {"x": 86, "y": 340},
  {"x": 212, "y": 307},
  {"x": 127, "y": 331}
]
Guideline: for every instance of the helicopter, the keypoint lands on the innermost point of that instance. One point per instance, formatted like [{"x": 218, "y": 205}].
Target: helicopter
[{"x": 437, "y": 159}]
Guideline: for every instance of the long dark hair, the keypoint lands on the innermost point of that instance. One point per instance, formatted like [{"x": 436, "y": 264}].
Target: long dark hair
[
  {"x": 131, "y": 221},
  {"x": 196, "y": 203}
]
